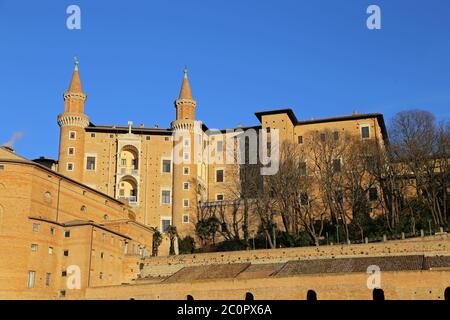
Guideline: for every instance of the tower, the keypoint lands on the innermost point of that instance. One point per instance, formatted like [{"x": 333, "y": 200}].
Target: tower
[
  {"x": 72, "y": 124},
  {"x": 187, "y": 146}
]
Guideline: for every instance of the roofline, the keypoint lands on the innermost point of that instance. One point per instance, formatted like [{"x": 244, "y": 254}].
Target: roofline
[
  {"x": 31, "y": 163},
  {"x": 124, "y": 129},
  {"x": 294, "y": 120}
]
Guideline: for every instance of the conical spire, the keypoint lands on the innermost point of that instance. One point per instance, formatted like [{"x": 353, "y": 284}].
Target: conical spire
[
  {"x": 185, "y": 92},
  {"x": 75, "y": 83}
]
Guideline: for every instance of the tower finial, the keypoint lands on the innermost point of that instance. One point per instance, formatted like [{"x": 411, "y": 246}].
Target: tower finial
[
  {"x": 76, "y": 62},
  {"x": 185, "y": 71}
]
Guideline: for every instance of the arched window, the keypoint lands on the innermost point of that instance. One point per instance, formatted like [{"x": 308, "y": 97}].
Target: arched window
[
  {"x": 189, "y": 298},
  {"x": 128, "y": 189},
  {"x": 311, "y": 295},
  {"x": 378, "y": 294},
  {"x": 447, "y": 294},
  {"x": 249, "y": 296}
]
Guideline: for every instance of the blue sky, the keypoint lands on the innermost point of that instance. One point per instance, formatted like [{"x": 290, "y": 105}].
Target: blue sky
[{"x": 316, "y": 57}]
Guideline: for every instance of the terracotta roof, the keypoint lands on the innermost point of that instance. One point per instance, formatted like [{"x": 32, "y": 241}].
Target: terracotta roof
[
  {"x": 185, "y": 92},
  {"x": 75, "y": 83}
]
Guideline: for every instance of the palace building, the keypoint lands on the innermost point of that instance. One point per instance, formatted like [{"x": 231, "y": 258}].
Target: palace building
[{"x": 94, "y": 211}]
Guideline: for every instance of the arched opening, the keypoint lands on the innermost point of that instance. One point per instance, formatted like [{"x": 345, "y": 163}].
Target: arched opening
[
  {"x": 129, "y": 160},
  {"x": 311, "y": 295},
  {"x": 128, "y": 189},
  {"x": 189, "y": 298},
  {"x": 249, "y": 296},
  {"x": 447, "y": 294},
  {"x": 378, "y": 294}
]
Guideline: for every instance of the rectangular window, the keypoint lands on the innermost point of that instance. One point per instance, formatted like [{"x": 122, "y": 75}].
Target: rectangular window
[
  {"x": 67, "y": 234},
  {"x": 90, "y": 163},
  {"x": 373, "y": 194},
  {"x": 100, "y": 275},
  {"x": 219, "y": 146},
  {"x": 165, "y": 224},
  {"x": 50, "y": 250},
  {"x": 185, "y": 218},
  {"x": 72, "y": 135},
  {"x": 165, "y": 197},
  {"x": 365, "y": 132},
  {"x": 34, "y": 247},
  {"x": 219, "y": 175},
  {"x": 66, "y": 253},
  {"x": 185, "y": 185},
  {"x": 186, "y": 203},
  {"x": 62, "y": 293},
  {"x": 302, "y": 168},
  {"x": 304, "y": 198},
  {"x": 166, "y": 138},
  {"x": 64, "y": 273},
  {"x": 147, "y": 138},
  {"x": 36, "y": 227},
  {"x": 92, "y": 135},
  {"x": 300, "y": 139},
  {"x": 186, "y": 171},
  {"x": 31, "y": 277},
  {"x": 186, "y": 156},
  {"x": 336, "y": 136},
  {"x": 2, "y": 167},
  {"x": 322, "y": 137},
  {"x": 52, "y": 231},
  {"x": 123, "y": 162},
  {"x": 186, "y": 142},
  {"x": 337, "y": 165},
  {"x": 219, "y": 197},
  {"x": 47, "y": 279},
  {"x": 166, "y": 166},
  {"x": 71, "y": 151},
  {"x": 70, "y": 166}
]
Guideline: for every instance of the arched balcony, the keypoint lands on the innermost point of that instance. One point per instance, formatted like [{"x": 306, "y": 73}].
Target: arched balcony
[
  {"x": 129, "y": 161},
  {"x": 128, "y": 190}
]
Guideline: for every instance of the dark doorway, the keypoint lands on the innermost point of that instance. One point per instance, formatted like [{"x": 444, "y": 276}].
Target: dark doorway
[
  {"x": 311, "y": 295},
  {"x": 249, "y": 296},
  {"x": 378, "y": 294},
  {"x": 447, "y": 294},
  {"x": 189, "y": 298}
]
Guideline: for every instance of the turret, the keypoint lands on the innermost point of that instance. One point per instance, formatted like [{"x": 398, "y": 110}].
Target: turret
[{"x": 73, "y": 122}]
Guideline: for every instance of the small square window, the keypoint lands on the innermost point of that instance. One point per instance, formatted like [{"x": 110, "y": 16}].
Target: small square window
[
  {"x": 185, "y": 185},
  {"x": 62, "y": 293},
  {"x": 147, "y": 138},
  {"x": 165, "y": 224},
  {"x": 47, "y": 279},
  {"x": 70, "y": 166},
  {"x": 34, "y": 247},
  {"x": 186, "y": 203},
  {"x": 186, "y": 142},
  {"x": 92, "y": 135},
  {"x": 186, "y": 156},
  {"x": 52, "y": 231},
  {"x": 166, "y": 138},
  {"x": 64, "y": 273},
  {"x": 36, "y": 227},
  {"x": 186, "y": 171},
  {"x": 67, "y": 234},
  {"x": 72, "y": 135},
  {"x": 111, "y": 136},
  {"x": 50, "y": 250},
  {"x": 66, "y": 253},
  {"x": 300, "y": 139},
  {"x": 219, "y": 197},
  {"x": 71, "y": 151},
  {"x": 185, "y": 218}
]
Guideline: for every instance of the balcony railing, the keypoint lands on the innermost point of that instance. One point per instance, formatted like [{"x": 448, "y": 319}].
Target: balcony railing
[
  {"x": 128, "y": 171},
  {"x": 130, "y": 199}
]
